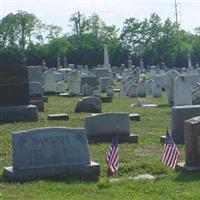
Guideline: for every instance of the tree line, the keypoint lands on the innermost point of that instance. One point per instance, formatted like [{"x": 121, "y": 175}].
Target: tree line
[{"x": 25, "y": 38}]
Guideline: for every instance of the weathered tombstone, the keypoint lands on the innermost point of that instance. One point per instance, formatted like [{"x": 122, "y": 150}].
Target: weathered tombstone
[
  {"x": 150, "y": 84},
  {"x": 182, "y": 91},
  {"x": 49, "y": 82},
  {"x": 156, "y": 90},
  {"x": 192, "y": 145},
  {"x": 35, "y": 74},
  {"x": 179, "y": 115},
  {"x": 88, "y": 84},
  {"x": 89, "y": 104},
  {"x": 50, "y": 153},
  {"x": 14, "y": 89},
  {"x": 106, "y": 61},
  {"x": 141, "y": 89},
  {"x": 58, "y": 76},
  {"x": 61, "y": 87},
  {"x": 35, "y": 89},
  {"x": 102, "y": 127},
  {"x": 104, "y": 82},
  {"x": 101, "y": 72},
  {"x": 133, "y": 90},
  {"x": 74, "y": 83},
  {"x": 169, "y": 85},
  {"x": 109, "y": 91}
]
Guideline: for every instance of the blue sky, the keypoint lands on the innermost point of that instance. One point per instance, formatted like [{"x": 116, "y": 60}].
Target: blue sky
[{"x": 111, "y": 11}]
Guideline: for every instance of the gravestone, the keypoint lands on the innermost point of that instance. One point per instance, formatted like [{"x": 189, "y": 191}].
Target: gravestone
[
  {"x": 14, "y": 89},
  {"x": 141, "y": 89},
  {"x": 179, "y": 115},
  {"x": 156, "y": 90},
  {"x": 150, "y": 84},
  {"x": 35, "y": 74},
  {"x": 89, "y": 104},
  {"x": 49, "y": 82},
  {"x": 109, "y": 91},
  {"x": 102, "y": 127},
  {"x": 169, "y": 85},
  {"x": 104, "y": 82},
  {"x": 101, "y": 72},
  {"x": 182, "y": 91},
  {"x": 75, "y": 82},
  {"x": 88, "y": 84},
  {"x": 133, "y": 90},
  {"x": 192, "y": 145},
  {"x": 50, "y": 153}
]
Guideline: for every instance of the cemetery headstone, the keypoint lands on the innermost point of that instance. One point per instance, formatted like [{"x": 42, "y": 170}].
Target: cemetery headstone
[
  {"x": 14, "y": 89},
  {"x": 51, "y": 153},
  {"x": 102, "y": 127},
  {"x": 89, "y": 104}
]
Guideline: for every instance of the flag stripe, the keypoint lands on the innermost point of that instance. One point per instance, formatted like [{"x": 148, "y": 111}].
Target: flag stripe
[
  {"x": 170, "y": 152},
  {"x": 112, "y": 156}
]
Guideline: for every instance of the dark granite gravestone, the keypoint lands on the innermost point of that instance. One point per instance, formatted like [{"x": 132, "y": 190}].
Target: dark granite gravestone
[
  {"x": 55, "y": 152},
  {"x": 102, "y": 127},
  {"x": 192, "y": 145},
  {"x": 179, "y": 115},
  {"x": 14, "y": 90},
  {"x": 13, "y": 86}
]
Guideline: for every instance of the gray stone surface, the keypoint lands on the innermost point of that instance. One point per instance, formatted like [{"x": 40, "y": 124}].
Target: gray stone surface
[
  {"x": 104, "y": 82},
  {"x": 18, "y": 113},
  {"x": 89, "y": 104},
  {"x": 50, "y": 147},
  {"x": 108, "y": 124},
  {"x": 50, "y": 152},
  {"x": 35, "y": 89},
  {"x": 192, "y": 142},
  {"x": 101, "y": 72},
  {"x": 58, "y": 117},
  {"x": 179, "y": 115},
  {"x": 85, "y": 172},
  {"x": 182, "y": 91},
  {"x": 35, "y": 73},
  {"x": 134, "y": 117},
  {"x": 39, "y": 104}
]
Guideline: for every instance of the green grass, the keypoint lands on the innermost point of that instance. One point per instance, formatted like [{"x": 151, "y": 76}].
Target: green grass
[{"x": 135, "y": 159}]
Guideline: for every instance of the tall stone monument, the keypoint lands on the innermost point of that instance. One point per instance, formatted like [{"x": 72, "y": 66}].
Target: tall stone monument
[{"x": 14, "y": 89}]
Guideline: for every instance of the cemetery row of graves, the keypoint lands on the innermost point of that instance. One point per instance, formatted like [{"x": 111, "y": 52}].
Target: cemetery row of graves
[{"x": 58, "y": 123}]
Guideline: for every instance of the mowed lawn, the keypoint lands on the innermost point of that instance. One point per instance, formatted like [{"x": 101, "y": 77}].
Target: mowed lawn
[{"x": 135, "y": 159}]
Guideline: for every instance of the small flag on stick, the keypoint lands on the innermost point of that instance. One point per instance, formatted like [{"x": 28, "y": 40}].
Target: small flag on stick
[
  {"x": 112, "y": 155},
  {"x": 170, "y": 152}
]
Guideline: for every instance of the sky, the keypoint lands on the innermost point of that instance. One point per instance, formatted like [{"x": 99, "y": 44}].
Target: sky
[{"x": 115, "y": 12}]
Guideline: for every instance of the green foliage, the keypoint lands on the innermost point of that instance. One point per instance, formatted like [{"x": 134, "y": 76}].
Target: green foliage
[{"x": 152, "y": 39}]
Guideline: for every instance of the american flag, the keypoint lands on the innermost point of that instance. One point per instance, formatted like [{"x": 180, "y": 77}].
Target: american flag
[
  {"x": 170, "y": 152},
  {"x": 112, "y": 155}
]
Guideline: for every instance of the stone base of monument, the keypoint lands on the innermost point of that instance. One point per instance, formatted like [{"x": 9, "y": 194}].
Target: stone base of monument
[
  {"x": 58, "y": 117},
  {"x": 108, "y": 138},
  {"x": 18, "y": 113},
  {"x": 39, "y": 104},
  {"x": 83, "y": 172},
  {"x": 134, "y": 117},
  {"x": 183, "y": 166},
  {"x": 106, "y": 99}
]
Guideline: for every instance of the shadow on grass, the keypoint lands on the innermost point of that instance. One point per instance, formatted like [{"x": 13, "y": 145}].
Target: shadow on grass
[
  {"x": 188, "y": 176},
  {"x": 67, "y": 180}
]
